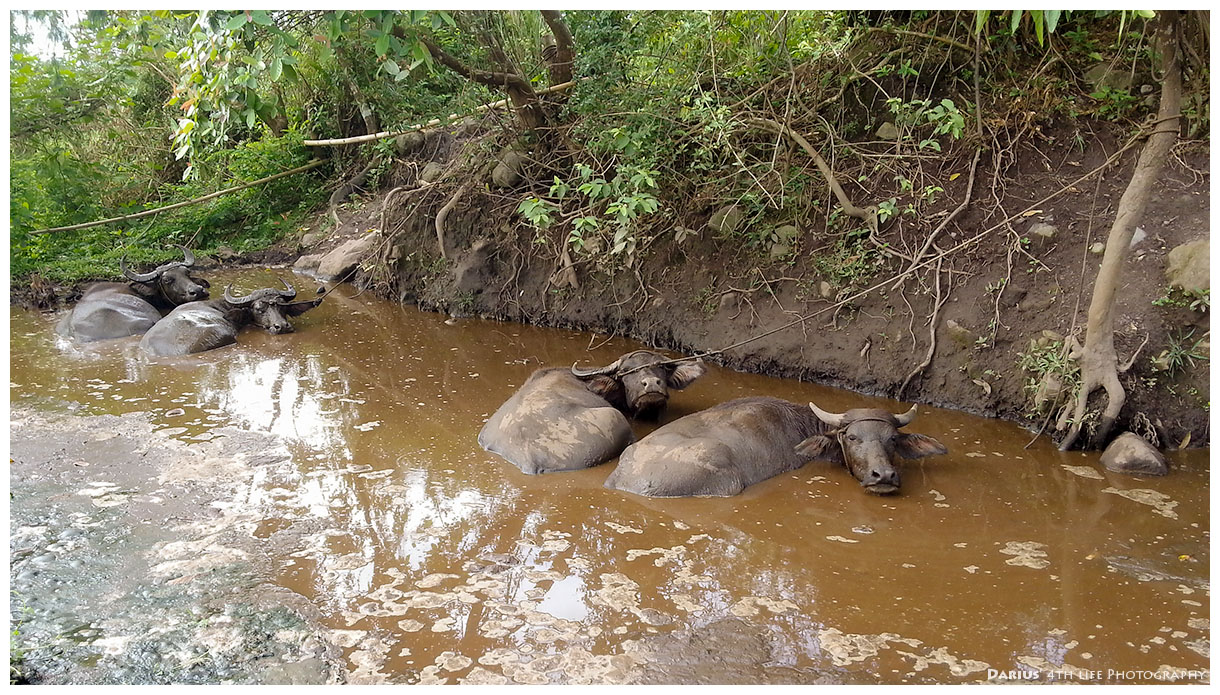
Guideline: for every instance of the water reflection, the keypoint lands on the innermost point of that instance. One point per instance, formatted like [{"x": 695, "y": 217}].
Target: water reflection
[{"x": 426, "y": 553}]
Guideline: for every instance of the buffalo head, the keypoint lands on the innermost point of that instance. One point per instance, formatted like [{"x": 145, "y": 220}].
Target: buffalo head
[
  {"x": 172, "y": 281},
  {"x": 638, "y": 383},
  {"x": 867, "y": 440},
  {"x": 269, "y": 308}
]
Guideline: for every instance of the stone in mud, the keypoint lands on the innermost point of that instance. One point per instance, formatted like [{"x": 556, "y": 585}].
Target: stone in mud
[
  {"x": 474, "y": 269},
  {"x": 887, "y": 131},
  {"x": 307, "y": 264},
  {"x": 310, "y": 238},
  {"x": 507, "y": 172},
  {"x": 432, "y": 171},
  {"x": 725, "y": 220},
  {"x": 959, "y": 334},
  {"x": 1041, "y": 231},
  {"x": 1133, "y": 455},
  {"x": 409, "y": 142},
  {"x": 339, "y": 263},
  {"x": 1188, "y": 266},
  {"x": 1108, "y": 75}
]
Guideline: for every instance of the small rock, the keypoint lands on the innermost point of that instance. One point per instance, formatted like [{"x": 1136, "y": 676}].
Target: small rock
[
  {"x": 887, "y": 131},
  {"x": 1133, "y": 455},
  {"x": 959, "y": 333},
  {"x": 507, "y": 172},
  {"x": 409, "y": 142},
  {"x": 307, "y": 264},
  {"x": 1106, "y": 75},
  {"x": 780, "y": 251},
  {"x": 312, "y": 238},
  {"x": 725, "y": 220},
  {"x": 1098, "y": 248},
  {"x": 432, "y": 171},
  {"x": 1146, "y": 89},
  {"x": 1187, "y": 266},
  {"x": 787, "y": 234},
  {"x": 1137, "y": 236},
  {"x": 339, "y": 263},
  {"x": 1042, "y": 231},
  {"x": 225, "y": 253},
  {"x": 825, "y": 291},
  {"x": 730, "y": 301}
]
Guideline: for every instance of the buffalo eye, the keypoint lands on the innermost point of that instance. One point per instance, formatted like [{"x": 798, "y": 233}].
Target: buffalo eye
[{"x": 852, "y": 438}]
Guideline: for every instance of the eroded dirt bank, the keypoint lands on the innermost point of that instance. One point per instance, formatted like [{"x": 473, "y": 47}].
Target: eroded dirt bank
[{"x": 1010, "y": 297}]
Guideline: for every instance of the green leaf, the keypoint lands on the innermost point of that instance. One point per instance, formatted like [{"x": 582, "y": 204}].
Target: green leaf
[
  {"x": 236, "y": 22},
  {"x": 382, "y": 45},
  {"x": 448, "y": 19},
  {"x": 1016, "y": 21},
  {"x": 391, "y": 67},
  {"x": 261, "y": 18},
  {"x": 1052, "y": 20},
  {"x": 277, "y": 69},
  {"x": 980, "y": 19},
  {"x": 1035, "y": 16}
]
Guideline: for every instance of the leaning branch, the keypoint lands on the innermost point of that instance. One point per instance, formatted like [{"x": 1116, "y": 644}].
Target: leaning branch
[
  {"x": 869, "y": 214},
  {"x": 430, "y": 124},
  {"x": 134, "y": 216}
]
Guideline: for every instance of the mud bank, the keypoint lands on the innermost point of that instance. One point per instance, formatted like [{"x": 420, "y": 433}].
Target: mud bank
[
  {"x": 130, "y": 563},
  {"x": 702, "y": 291}
]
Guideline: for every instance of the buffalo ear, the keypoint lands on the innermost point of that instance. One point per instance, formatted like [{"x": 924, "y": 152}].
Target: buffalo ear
[
  {"x": 202, "y": 282},
  {"x": 605, "y": 386},
  {"x": 298, "y": 308},
  {"x": 913, "y": 446},
  {"x": 685, "y": 373},
  {"x": 822, "y": 448}
]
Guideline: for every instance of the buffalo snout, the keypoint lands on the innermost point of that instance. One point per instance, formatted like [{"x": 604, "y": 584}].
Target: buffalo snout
[{"x": 882, "y": 480}]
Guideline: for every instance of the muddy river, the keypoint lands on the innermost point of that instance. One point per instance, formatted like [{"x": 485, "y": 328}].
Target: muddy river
[{"x": 314, "y": 507}]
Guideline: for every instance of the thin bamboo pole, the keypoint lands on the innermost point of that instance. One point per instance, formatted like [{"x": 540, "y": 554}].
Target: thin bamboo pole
[
  {"x": 136, "y": 215},
  {"x": 430, "y": 124}
]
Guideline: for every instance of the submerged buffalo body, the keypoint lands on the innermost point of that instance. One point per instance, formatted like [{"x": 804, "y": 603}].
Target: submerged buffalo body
[
  {"x": 117, "y": 310},
  {"x": 720, "y": 451},
  {"x": 200, "y": 326},
  {"x": 562, "y": 420}
]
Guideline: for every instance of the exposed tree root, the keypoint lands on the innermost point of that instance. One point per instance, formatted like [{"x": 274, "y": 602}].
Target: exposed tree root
[
  {"x": 444, "y": 213},
  {"x": 1099, "y": 368}
]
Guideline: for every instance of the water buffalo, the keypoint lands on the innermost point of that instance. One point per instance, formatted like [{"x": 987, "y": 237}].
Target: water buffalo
[
  {"x": 117, "y": 310},
  {"x": 567, "y": 419},
  {"x": 720, "y": 451},
  {"x": 199, "y": 326}
]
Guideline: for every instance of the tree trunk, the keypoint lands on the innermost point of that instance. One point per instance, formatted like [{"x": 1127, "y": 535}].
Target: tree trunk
[
  {"x": 560, "y": 68},
  {"x": 1098, "y": 359}
]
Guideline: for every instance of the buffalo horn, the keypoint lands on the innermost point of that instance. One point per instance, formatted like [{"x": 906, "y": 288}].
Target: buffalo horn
[
  {"x": 188, "y": 257},
  {"x": 905, "y": 418},
  {"x": 832, "y": 419},
  {"x": 289, "y": 293},
  {"x": 137, "y": 277},
  {"x": 237, "y": 301},
  {"x": 597, "y": 371}
]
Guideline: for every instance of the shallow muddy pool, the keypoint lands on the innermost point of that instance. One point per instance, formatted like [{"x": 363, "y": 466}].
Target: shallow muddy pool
[{"x": 426, "y": 559}]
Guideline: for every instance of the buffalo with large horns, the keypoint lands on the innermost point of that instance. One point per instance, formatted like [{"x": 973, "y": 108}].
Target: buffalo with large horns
[
  {"x": 200, "y": 326},
  {"x": 720, "y": 451},
  {"x": 567, "y": 419},
  {"x": 117, "y": 310}
]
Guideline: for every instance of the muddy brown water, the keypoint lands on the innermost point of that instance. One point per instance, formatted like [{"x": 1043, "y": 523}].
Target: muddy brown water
[{"x": 432, "y": 561}]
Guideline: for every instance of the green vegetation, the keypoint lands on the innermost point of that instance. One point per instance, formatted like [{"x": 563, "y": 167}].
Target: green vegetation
[
  {"x": 1051, "y": 373},
  {"x": 143, "y": 109}
]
